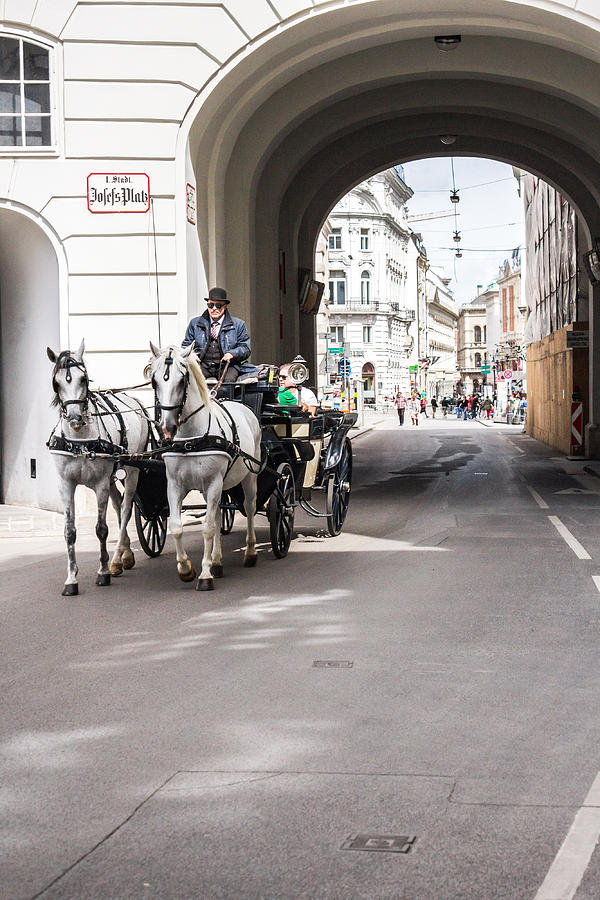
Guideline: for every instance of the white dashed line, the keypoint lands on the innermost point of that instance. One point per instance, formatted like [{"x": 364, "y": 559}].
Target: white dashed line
[
  {"x": 539, "y": 500},
  {"x": 571, "y": 861},
  {"x": 577, "y": 548},
  {"x": 596, "y": 580}
]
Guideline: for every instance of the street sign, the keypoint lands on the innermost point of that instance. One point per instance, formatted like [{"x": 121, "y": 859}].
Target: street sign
[
  {"x": 578, "y": 339},
  {"x": 485, "y": 370},
  {"x": 413, "y": 368},
  {"x": 336, "y": 350},
  {"x": 118, "y": 192},
  {"x": 507, "y": 374}
]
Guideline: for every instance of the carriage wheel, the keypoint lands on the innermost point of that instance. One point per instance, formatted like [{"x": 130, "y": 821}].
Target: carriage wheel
[
  {"x": 227, "y": 514},
  {"x": 281, "y": 509},
  {"x": 152, "y": 533},
  {"x": 339, "y": 485}
]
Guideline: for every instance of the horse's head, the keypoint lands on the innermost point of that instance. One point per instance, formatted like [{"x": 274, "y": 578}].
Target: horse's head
[
  {"x": 70, "y": 383},
  {"x": 169, "y": 371}
]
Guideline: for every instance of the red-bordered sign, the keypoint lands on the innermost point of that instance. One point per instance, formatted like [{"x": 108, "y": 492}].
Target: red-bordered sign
[{"x": 118, "y": 192}]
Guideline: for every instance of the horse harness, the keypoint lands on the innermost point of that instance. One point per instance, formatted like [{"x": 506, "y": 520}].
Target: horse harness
[{"x": 103, "y": 404}]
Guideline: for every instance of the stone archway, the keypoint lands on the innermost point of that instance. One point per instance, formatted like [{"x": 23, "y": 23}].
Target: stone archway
[
  {"x": 351, "y": 89},
  {"x": 29, "y": 322}
]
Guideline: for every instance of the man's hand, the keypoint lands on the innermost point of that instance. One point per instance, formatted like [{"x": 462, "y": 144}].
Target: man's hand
[{"x": 227, "y": 357}]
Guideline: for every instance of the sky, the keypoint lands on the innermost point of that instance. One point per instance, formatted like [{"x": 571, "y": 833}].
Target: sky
[{"x": 489, "y": 219}]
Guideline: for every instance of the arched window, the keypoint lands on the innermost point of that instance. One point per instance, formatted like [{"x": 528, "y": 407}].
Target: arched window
[
  {"x": 25, "y": 104},
  {"x": 477, "y": 334},
  {"x": 478, "y": 360},
  {"x": 365, "y": 287}
]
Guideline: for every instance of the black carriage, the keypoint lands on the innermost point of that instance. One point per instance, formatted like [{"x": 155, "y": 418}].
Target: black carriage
[{"x": 302, "y": 456}]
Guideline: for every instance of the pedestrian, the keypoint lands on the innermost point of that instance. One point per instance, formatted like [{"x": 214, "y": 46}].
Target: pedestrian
[
  {"x": 414, "y": 407},
  {"x": 464, "y": 405},
  {"x": 445, "y": 404},
  {"x": 400, "y": 404},
  {"x": 424, "y": 405},
  {"x": 433, "y": 407},
  {"x": 475, "y": 406},
  {"x": 487, "y": 407}
]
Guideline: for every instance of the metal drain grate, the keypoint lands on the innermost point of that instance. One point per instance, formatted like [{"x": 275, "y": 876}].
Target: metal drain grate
[
  {"x": 379, "y": 843},
  {"x": 333, "y": 664}
]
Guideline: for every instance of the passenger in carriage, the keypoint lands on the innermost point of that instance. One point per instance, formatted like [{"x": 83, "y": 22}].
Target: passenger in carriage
[
  {"x": 218, "y": 338},
  {"x": 292, "y": 394}
]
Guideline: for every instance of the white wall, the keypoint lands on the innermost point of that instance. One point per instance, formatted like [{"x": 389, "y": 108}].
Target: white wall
[{"x": 29, "y": 322}]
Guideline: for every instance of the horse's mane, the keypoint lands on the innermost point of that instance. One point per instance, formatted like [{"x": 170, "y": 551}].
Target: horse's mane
[{"x": 198, "y": 376}]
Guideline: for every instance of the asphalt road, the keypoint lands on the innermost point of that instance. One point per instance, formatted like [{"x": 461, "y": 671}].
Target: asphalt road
[{"x": 163, "y": 743}]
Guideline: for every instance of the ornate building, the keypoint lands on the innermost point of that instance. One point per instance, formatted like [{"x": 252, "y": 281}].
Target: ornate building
[{"x": 370, "y": 306}]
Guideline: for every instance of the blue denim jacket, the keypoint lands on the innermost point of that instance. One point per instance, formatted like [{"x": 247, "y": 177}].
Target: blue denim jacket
[{"x": 233, "y": 338}]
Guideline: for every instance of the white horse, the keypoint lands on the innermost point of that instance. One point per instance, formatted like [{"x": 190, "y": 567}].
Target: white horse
[
  {"x": 92, "y": 428},
  {"x": 198, "y": 459}
]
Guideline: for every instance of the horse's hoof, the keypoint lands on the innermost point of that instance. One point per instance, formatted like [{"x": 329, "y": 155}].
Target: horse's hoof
[
  {"x": 103, "y": 580},
  {"x": 116, "y": 569},
  {"x": 250, "y": 561},
  {"x": 187, "y": 576},
  {"x": 216, "y": 571},
  {"x": 128, "y": 560},
  {"x": 205, "y": 584},
  {"x": 70, "y": 590}
]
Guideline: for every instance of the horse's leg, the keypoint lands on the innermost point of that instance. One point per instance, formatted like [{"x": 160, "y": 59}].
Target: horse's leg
[
  {"x": 116, "y": 499},
  {"x": 249, "y": 484},
  {"x": 102, "y": 490},
  {"x": 216, "y": 567},
  {"x": 67, "y": 496},
  {"x": 213, "y": 497},
  {"x": 175, "y": 495},
  {"x": 123, "y": 557}
]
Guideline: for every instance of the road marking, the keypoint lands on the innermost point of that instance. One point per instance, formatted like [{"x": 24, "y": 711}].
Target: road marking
[
  {"x": 577, "y": 548},
  {"x": 571, "y": 861},
  {"x": 596, "y": 580},
  {"x": 539, "y": 500}
]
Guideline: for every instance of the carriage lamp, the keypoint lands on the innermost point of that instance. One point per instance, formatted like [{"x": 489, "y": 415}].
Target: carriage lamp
[
  {"x": 456, "y": 237},
  {"x": 298, "y": 370},
  {"x": 458, "y": 254},
  {"x": 454, "y": 198}
]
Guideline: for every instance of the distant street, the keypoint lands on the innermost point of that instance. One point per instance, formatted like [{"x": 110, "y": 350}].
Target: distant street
[{"x": 431, "y": 673}]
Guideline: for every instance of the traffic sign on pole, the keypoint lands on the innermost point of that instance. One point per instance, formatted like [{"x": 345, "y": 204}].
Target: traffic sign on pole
[{"x": 344, "y": 367}]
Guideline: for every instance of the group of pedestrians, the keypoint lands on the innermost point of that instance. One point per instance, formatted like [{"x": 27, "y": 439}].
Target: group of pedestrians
[{"x": 414, "y": 405}]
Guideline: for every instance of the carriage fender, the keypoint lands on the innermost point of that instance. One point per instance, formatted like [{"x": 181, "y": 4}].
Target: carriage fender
[{"x": 336, "y": 444}]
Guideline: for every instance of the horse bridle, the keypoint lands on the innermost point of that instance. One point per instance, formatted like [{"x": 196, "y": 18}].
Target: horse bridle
[
  {"x": 69, "y": 362},
  {"x": 186, "y": 380}
]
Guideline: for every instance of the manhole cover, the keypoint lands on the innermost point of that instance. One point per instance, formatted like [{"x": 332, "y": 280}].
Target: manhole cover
[
  {"x": 332, "y": 664},
  {"x": 379, "y": 843}
]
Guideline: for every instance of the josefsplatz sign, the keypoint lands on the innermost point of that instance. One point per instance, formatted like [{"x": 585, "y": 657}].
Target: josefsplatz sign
[{"x": 118, "y": 192}]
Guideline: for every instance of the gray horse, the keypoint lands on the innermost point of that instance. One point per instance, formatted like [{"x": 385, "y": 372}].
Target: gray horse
[
  {"x": 196, "y": 425},
  {"x": 93, "y": 427}
]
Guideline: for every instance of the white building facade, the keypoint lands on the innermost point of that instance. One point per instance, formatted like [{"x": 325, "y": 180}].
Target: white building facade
[
  {"x": 370, "y": 305},
  {"x": 441, "y": 337}
]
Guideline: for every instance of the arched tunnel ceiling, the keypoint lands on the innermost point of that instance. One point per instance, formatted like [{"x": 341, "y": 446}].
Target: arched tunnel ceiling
[{"x": 501, "y": 91}]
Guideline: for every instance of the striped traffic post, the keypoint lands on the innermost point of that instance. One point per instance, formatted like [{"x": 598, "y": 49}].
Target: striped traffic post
[{"x": 576, "y": 427}]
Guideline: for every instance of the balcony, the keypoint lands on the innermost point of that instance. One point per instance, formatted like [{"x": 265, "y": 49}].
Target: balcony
[{"x": 381, "y": 307}]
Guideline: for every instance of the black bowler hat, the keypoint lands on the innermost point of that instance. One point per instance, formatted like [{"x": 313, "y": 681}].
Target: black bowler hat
[{"x": 219, "y": 294}]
